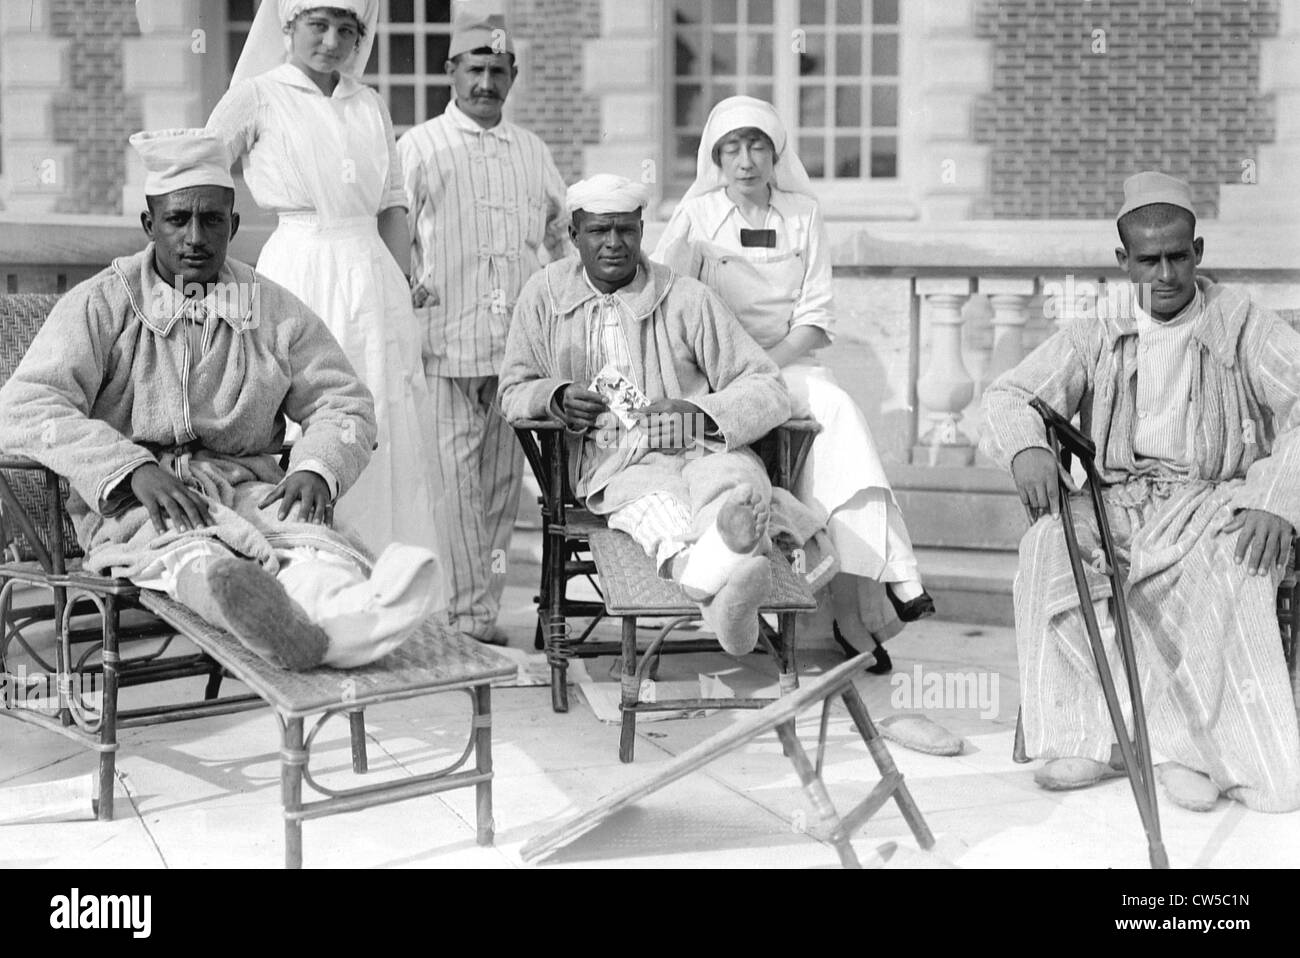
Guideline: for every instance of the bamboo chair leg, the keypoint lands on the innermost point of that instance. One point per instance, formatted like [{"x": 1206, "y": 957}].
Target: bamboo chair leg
[
  {"x": 357, "y": 732},
  {"x": 885, "y": 763},
  {"x": 483, "y": 763},
  {"x": 108, "y": 714},
  {"x": 815, "y": 789},
  {"x": 292, "y": 759},
  {"x": 630, "y": 691},
  {"x": 557, "y": 630}
]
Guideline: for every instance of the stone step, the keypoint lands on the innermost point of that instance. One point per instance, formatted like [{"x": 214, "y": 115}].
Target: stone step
[{"x": 970, "y": 585}]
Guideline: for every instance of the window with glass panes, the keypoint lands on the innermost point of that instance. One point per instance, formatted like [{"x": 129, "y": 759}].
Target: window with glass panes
[
  {"x": 406, "y": 61},
  {"x": 831, "y": 68}
]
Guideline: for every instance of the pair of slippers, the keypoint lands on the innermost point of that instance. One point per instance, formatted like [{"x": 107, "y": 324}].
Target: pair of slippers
[{"x": 1183, "y": 786}]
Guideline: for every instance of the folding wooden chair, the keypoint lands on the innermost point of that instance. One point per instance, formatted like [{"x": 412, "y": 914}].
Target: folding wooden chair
[{"x": 576, "y": 543}]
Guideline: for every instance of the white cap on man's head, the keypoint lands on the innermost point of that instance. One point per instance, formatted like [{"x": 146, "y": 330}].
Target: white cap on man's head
[
  {"x": 606, "y": 193},
  {"x": 1151, "y": 186},
  {"x": 488, "y": 32},
  {"x": 178, "y": 159}
]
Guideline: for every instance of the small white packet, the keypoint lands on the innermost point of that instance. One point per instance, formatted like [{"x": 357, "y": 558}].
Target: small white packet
[{"x": 623, "y": 395}]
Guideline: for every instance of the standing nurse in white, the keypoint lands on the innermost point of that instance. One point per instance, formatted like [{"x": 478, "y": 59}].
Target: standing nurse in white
[{"x": 318, "y": 149}]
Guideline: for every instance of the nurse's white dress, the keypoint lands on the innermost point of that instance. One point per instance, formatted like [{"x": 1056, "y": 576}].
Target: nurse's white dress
[
  {"x": 328, "y": 165},
  {"x": 771, "y": 291}
]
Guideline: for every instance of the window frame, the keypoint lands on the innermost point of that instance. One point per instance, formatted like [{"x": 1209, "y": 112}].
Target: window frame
[{"x": 841, "y": 198}]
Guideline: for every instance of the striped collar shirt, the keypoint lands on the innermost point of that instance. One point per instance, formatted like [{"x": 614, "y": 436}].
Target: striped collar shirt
[
  {"x": 606, "y": 341},
  {"x": 483, "y": 204}
]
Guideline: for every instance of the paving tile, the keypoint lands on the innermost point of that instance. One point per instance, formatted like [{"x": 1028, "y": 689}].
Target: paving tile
[{"x": 206, "y": 793}]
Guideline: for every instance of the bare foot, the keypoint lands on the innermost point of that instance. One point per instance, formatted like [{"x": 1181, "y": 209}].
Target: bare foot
[{"x": 742, "y": 521}]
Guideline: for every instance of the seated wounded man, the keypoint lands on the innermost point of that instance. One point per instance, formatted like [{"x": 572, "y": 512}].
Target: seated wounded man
[
  {"x": 160, "y": 387},
  {"x": 680, "y": 480},
  {"x": 1189, "y": 391}
]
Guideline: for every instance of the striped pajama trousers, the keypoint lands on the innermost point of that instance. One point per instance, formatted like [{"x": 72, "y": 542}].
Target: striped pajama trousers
[
  {"x": 479, "y": 464},
  {"x": 1205, "y": 635}
]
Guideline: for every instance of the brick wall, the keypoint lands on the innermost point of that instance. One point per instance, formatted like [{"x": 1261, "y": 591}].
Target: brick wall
[
  {"x": 1176, "y": 89},
  {"x": 552, "y": 103},
  {"x": 95, "y": 115}
]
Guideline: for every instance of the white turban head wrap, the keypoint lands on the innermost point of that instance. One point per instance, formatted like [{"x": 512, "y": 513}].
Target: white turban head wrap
[
  {"x": 178, "y": 159},
  {"x": 267, "y": 45},
  {"x": 606, "y": 193},
  {"x": 737, "y": 113}
]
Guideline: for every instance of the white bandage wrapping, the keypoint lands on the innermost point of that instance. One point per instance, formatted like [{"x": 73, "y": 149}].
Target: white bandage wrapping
[{"x": 710, "y": 562}]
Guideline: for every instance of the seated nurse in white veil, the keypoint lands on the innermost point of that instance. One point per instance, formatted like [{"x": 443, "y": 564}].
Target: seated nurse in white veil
[{"x": 750, "y": 228}]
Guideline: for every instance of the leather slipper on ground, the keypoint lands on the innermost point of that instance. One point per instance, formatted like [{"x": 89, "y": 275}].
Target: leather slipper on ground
[
  {"x": 920, "y": 734},
  {"x": 1186, "y": 788},
  {"x": 1061, "y": 774}
]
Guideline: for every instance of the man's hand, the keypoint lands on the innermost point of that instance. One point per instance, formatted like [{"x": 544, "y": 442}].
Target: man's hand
[
  {"x": 581, "y": 407},
  {"x": 165, "y": 497},
  {"x": 424, "y": 295},
  {"x": 1037, "y": 475},
  {"x": 1265, "y": 539},
  {"x": 308, "y": 489},
  {"x": 673, "y": 424}
]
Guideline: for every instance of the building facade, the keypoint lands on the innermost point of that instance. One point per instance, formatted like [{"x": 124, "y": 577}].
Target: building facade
[{"x": 927, "y": 110}]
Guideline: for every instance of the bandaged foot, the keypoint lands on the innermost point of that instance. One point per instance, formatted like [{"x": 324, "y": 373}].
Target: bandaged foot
[
  {"x": 739, "y": 527},
  {"x": 238, "y": 595},
  {"x": 732, "y": 614},
  {"x": 366, "y": 618},
  {"x": 1186, "y": 787}
]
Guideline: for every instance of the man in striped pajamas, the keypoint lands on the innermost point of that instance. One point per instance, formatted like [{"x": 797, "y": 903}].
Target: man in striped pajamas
[
  {"x": 1192, "y": 396},
  {"x": 485, "y": 197}
]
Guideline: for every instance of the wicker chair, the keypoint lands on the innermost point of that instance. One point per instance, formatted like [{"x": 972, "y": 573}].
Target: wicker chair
[
  {"x": 85, "y": 621},
  {"x": 73, "y": 637},
  {"x": 577, "y": 543}
]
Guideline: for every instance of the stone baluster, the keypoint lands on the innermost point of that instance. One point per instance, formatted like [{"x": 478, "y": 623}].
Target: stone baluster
[
  {"x": 1010, "y": 302},
  {"x": 946, "y": 387}
]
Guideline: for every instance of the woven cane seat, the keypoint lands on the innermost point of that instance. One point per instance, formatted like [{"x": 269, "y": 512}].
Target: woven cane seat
[
  {"x": 632, "y": 587},
  {"x": 21, "y": 317},
  {"x": 435, "y": 660}
]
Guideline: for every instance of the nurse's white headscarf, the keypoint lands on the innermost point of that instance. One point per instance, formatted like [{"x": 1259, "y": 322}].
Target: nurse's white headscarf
[
  {"x": 268, "y": 45},
  {"x": 735, "y": 113}
]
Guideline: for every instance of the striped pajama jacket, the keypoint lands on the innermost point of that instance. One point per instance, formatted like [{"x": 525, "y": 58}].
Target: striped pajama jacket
[
  {"x": 1204, "y": 631},
  {"x": 482, "y": 205}
]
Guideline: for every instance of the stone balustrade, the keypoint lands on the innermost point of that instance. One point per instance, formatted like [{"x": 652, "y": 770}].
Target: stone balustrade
[{"x": 973, "y": 298}]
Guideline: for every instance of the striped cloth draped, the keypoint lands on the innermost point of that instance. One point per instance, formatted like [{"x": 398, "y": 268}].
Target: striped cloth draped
[
  {"x": 1214, "y": 681},
  {"x": 1205, "y": 633}
]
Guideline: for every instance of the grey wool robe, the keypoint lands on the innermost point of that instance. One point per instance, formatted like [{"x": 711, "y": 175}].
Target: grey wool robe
[
  {"x": 685, "y": 344},
  {"x": 120, "y": 376},
  {"x": 1205, "y": 632}
]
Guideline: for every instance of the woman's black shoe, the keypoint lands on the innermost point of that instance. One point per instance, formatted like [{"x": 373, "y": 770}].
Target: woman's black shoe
[
  {"x": 921, "y": 607},
  {"x": 883, "y": 664}
]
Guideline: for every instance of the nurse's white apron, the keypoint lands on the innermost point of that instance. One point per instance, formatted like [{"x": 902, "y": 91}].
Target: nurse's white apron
[
  {"x": 343, "y": 271},
  {"x": 843, "y": 477}
]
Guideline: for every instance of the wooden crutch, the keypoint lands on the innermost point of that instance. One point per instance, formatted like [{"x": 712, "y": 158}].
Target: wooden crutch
[{"x": 1061, "y": 435}]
